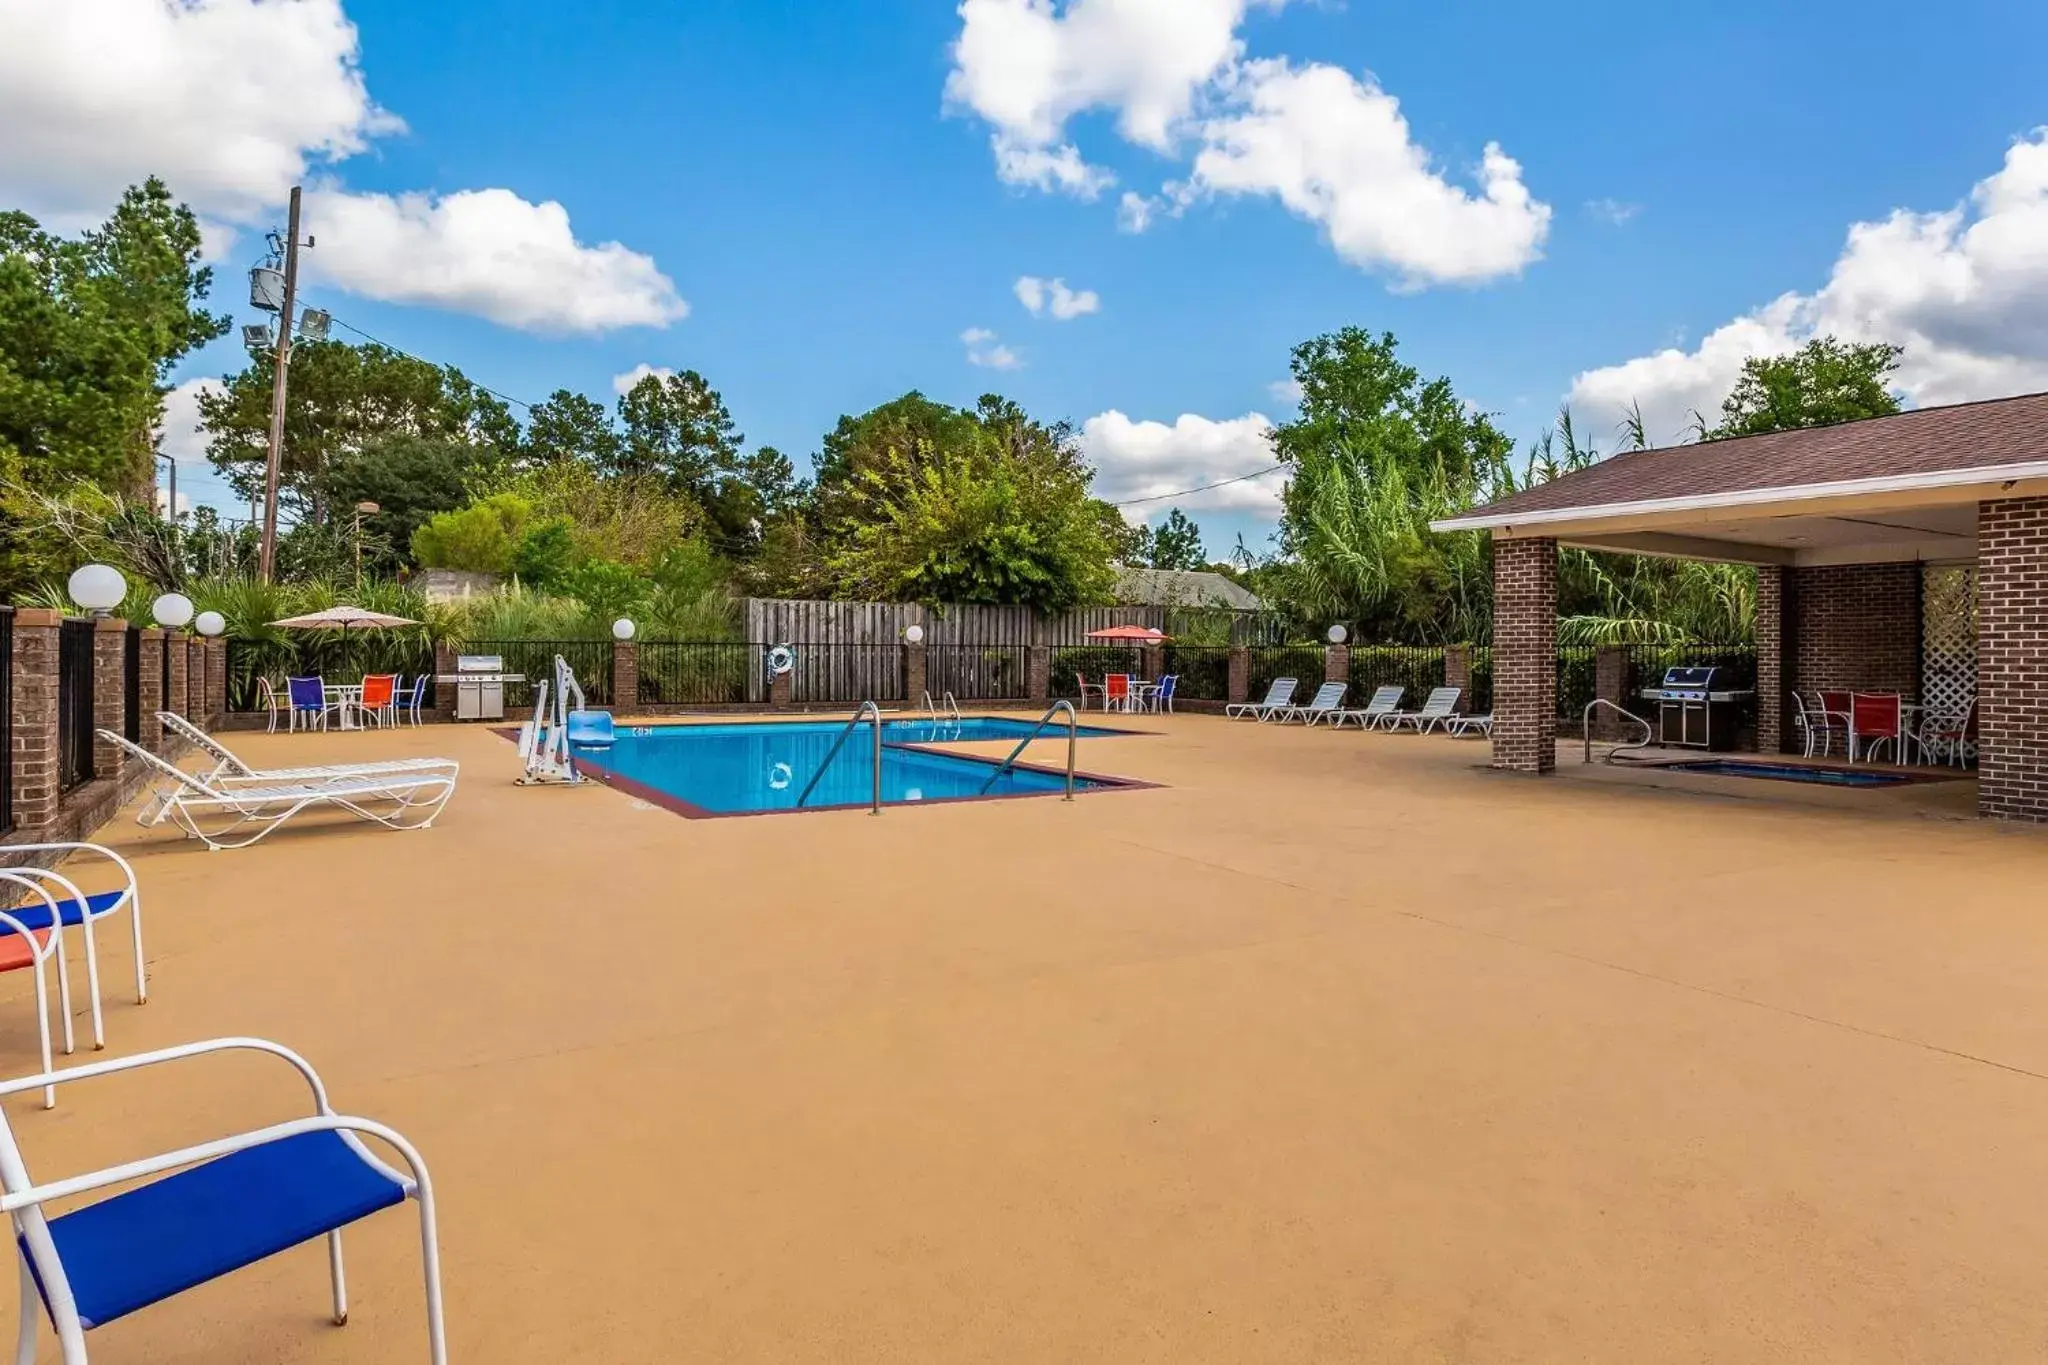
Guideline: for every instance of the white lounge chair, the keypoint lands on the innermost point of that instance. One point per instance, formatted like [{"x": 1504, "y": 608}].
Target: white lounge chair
[
  {"x": 229, "y": 766},
  {"x": 202, "y": 1211},
  {"x": 1385, "y": 701},
  {"x": 1279, "y": 697},
  {"x": 393, "y": 800},
  {"x": 1328, "y": 698},
  {"x": 1438, "y": 710}
]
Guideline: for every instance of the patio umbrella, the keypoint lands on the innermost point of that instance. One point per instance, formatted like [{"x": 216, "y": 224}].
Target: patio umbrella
[
  {"x": 1136, "y": 635},
  {"x": 343, "y": 618}
]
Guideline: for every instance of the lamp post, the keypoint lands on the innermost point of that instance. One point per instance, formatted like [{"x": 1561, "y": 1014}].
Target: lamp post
[{"x": 362, "y": 509}]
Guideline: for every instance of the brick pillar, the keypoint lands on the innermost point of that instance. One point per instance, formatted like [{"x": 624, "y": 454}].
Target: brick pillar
[
  {"x": 2012, "y": 659},
  {"x": 177, "y": 700},
  {"x": 216, "y": 680},
  {"x": 1525, "y": 654},
  {"x": 1038, "y": 674},
  {"x": 1458, "y": 674},
  {"x": 625, "y": 675},
  {"x": 1336, "y": 663},
  {"x": 444, "y": 668},
  {"x": 109, "y": 694},
  {"x": 195, "y": 679},
  {"x": 1610, "y": 683},
  {"x": 152, "y": 691},
  {"x": 916, "y": 672},
  {"x": 1773, "y": 679},
  {"x": 35, "y": 755},
  {"x": 1239, "y": 686}
]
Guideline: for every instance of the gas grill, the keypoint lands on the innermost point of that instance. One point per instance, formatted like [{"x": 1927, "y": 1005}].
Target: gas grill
[{"x": 1692, "y": 713}]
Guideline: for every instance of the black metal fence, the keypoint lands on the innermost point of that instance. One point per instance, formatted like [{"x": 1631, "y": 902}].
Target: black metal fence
[
  {"x": 686, "y": 673},
  {"x": 1203, "y": 671},
  {"x": 1303, "y": 663},
  {"x": 74, "y": 704},
  {"x": 131, "y": 685},
  {"x": 976, "y": 672},
  {"x": 1415, "y": 669},
  {"x": 535, "y": 659},
  {"x": 6, "y": 720}
]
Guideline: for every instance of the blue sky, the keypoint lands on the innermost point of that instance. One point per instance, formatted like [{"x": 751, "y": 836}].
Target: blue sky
[{"x": 835, "y": 223}]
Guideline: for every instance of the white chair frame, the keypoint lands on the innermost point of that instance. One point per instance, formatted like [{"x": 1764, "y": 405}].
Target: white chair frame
[{"x": 23, "y": 1199}]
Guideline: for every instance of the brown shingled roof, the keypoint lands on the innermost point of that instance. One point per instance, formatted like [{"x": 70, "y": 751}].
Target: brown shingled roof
[{"x": 1931, "y": 441}]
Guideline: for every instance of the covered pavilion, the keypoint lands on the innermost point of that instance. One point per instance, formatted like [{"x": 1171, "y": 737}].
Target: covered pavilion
[{"x": 1906, "y": 553}]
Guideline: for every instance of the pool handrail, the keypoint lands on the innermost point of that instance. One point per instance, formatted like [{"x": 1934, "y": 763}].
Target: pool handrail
[
  {"x": 1586, "y": 726},
  {"x": 1073, "y": 735},
  {"x": 866, "y": 708}
]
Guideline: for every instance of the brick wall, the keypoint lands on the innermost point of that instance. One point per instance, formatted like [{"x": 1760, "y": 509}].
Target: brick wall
[
  {"x": 2012, "y": 658},
  {"x": 1525, "y": 654},
  {"x": 1855, "y": 628}
]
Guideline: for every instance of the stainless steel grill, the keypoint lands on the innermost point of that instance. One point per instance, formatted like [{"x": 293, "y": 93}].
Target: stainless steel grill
[{"x": 1694, "y": 714}]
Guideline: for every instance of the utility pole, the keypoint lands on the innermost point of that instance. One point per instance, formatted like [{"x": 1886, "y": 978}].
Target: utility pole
[{"x": 267, "y": 556}]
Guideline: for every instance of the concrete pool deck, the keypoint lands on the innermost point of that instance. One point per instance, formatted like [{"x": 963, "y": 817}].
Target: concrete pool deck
[{"x": 1333, "y": 1047}]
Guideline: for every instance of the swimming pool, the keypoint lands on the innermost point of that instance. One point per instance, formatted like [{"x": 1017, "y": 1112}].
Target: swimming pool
[{"x": 758, "y": 768}]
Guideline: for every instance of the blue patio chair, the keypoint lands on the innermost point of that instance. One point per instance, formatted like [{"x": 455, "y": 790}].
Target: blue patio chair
[
  {"x": 309, "y": 702},
  {"x": 213, "y": 1208}
]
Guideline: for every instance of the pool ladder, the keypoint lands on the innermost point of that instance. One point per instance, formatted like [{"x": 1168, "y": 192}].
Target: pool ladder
[
  {"x": 867, "y": 709},
  {"x": 1073, "y": 734},
  {"x": 1586, "y": 724}
]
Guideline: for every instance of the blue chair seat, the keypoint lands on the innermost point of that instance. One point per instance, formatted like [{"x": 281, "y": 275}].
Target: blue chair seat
[
  {"x": 163, "y": 1238},
  {"x": 34, "y": 913}
]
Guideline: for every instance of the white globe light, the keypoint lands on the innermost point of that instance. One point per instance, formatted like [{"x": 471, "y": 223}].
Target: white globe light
[
  {"x": 914, "y": 634},
  {"x": 622, "y": 629},
  {"x": 173, "y": 611},
  {"x": 1337, "y": 634},
  {"x": 210, "y": 623},
  {"x": 97, "y": 587}
]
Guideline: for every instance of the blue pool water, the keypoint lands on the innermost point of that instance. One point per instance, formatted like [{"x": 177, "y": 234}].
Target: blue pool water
[
  {"x": 737, "y": 769},
  {"x": 1785, "y": 772}
]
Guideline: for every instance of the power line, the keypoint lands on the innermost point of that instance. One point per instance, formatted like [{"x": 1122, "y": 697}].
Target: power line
[{"x": 1190, "y": 492}]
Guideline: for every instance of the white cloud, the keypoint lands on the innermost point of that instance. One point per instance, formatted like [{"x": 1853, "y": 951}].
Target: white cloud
[
  {"x": 233, "y": 102},
  {"x": 1336, "y": 150},
  {"x": 985, "y": 350},
  {"x": 1041, "y": 297},
  {"x": 622, "y": 384},
  {"x": 486, "y": 252},
  {"x": 1142, "y": 459},
  {"x": 178, "y": 434},
  {"x": 1964, "y": 290}
]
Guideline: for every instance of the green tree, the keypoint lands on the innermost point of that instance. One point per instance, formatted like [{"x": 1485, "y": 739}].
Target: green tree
[
  {"x": 410, "y": 478},
  {"x": 1823, "y": 382},
  {"x": 480, "y": 538},
  {"x": 89, "y": 330},
  {"x": 341, "y": 400},
  {"x": 1177, "y": 543}
]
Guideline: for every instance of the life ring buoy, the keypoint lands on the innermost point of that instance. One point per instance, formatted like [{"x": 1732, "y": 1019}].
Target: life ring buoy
[{"x": 781, "y": 659}]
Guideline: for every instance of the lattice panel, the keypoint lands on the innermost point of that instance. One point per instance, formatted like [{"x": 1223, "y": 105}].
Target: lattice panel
[{"x": 1948, "y": 638}]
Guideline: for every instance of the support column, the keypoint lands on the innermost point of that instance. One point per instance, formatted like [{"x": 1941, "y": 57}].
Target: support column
[
  {"x": 1774, "y": 683},
  {"x": 916, "y": 673},
  {"x": 625, "y": 675},
  {"x": 1525, "y": 654},
  {"x": 1458, "y": 674},
  {"x": 1239, "y": 686},
  {"x": 1336, "y": 663},
  {"x": 216, "y": 680},
  {"x": 2012, "y": 659},
  {"x": 151, "y": 662},
  {"x": 34, "y": 683},
  {"x": 109, "y": 694},
  {"x": 1038, "y": 674}
]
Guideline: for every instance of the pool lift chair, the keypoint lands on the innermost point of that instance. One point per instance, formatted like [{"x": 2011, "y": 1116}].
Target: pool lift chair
[{"x": 544, "y": 741}]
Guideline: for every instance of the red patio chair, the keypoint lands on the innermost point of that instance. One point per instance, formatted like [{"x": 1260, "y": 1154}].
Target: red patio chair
[
  {"x": 1116, "y": 692},
  {"x": 1874, "y": 719}
]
